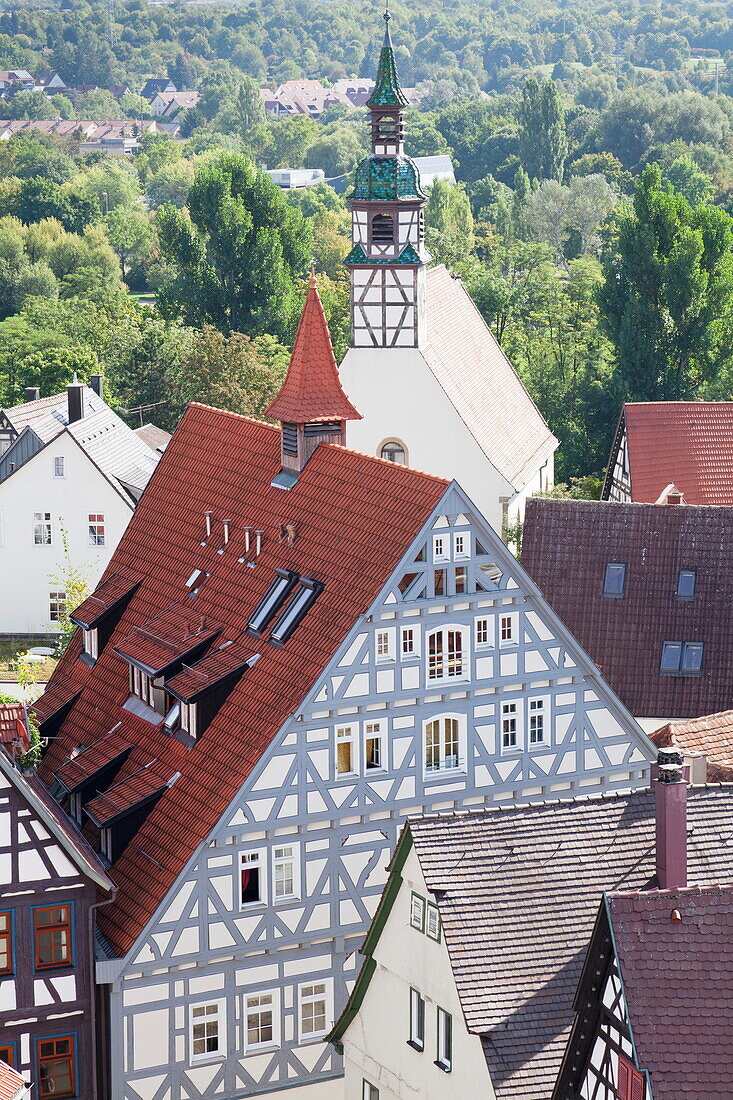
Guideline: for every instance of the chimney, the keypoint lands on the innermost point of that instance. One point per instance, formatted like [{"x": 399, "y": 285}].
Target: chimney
[
  {"x": 670, "y": 801},
  {"x": 75, "y": 391},
  {"x": 32, "y": 393},
  {"x": 96, "y": 382}
]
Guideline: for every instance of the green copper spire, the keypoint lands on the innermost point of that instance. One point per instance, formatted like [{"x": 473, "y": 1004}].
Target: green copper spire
[{"x": 387, "y": 91}]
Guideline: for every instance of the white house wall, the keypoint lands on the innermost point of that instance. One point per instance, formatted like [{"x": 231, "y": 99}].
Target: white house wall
[
  {"x": 200, "y": 944},
  {"x": 376, "y": 1047},
  {"x": 25, "y": 568}
]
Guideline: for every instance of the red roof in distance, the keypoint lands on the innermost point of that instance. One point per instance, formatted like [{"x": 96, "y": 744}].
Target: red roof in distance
[
  {"x": 689, "y": 443},
  {"x": 312, "y": 388}
]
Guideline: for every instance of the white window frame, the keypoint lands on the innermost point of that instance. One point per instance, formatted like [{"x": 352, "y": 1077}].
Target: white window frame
[
  {"x": 513, "y": 639},
  {"x": 417, "y": 1019},
  {"x": 348, "y": 733},
  {"x": 56, "y": 597},
  {"x": 461, "y": 539},
  {"x": 221, "y": 1033},
  {"x": 187, "y": 718},
  {"x": 506, "y": 714},
  {"x": 280, "y": 859},
  {"x": 490, "y": 623},
  {"x": 413, "y": 653},
  {"x": 384, "y": 645},
  {"x": 538, "y": 705},
  {"x": 91, "y": 642},
  {"x": 441, "y": 547},
  {"x": 42, "y": 527},
  {"x": 445, "y": 1040},
  {"x": 368, "y": 1090},
  {"x": 305, "y": 998},
  {"x": 97, "y": 528},
  {"x": 59, "y": 466},
  {"x": 266, "y": 1044},
  {"x": 260, "y": 861},
  {"x": 460, "y": 733},
  {"x": 375, "y": 729},
  {"x": 447, "y": 663}
]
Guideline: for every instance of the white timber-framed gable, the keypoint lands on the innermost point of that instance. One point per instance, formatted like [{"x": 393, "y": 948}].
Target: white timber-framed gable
[{"x": 333, "y": 788}]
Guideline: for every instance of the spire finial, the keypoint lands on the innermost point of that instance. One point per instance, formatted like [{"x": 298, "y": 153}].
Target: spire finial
[{"x": 312, "y": 280}]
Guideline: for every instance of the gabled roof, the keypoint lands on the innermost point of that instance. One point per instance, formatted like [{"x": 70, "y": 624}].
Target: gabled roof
[
  {"x": 84, "y": 765},
  {"x": 710, "y": 737},
  {"x": 518, "y": 890},
  {"x": 227, "y": 660},
  {"x": 312, "y": 389},
  {"x": 12, "y": 1085},
  {"x": 166, "y": 638},
  {"x": 481, "y": 383},
  {"x": 565, "y": 549},
  {"x": 678, "y": 982},
  {"x": 156, "y": 438},
  {"x": 60, "y": 693},
  {"x": 224, "y": 463},
  {"x": 689, "y": 443}
]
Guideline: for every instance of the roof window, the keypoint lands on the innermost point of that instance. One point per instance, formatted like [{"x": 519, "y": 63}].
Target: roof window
[
  {"x": 614, "y": 580},
  {"x": 681, "y": 658},
  {"x": 276, "y": 595},
  {"x": 305, "y": 596},
  {"x": 685, "y": 584}
]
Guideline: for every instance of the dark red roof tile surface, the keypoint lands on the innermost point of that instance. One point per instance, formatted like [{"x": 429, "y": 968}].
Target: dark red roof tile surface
[
  {"x": 12, "y": 1085},
  {"x": 355, "y": 516},
  {"x": 130, "y": 792},
  {"x": 166, "y": 638},
  {"x": 60, "y": 692},
  {"x": 689, "y": 443},
  {"x": 83, "y": 765},
  {"x": 710, "y": 736},
  {"x": 566, "y": 547},
  {"x": 678, "y": 981},
  {"x": 13, "y": 724},
  {"x": 106, "y": 596},
  {"x": 223, "y": 662}
]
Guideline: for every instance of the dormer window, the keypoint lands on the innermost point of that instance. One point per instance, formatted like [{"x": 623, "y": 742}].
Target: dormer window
[
  {"x": 382, "y": 229},
  {"x": 91, "y": 643},
  {"x": 148, "y": 690},
  {"x": 685, "y": 584},
  {"x": 197, "y": 692},
  {"x": 305, "y": 596},
  {"x": 276, "y": 595},
  {"x": 99, "y": 614}
]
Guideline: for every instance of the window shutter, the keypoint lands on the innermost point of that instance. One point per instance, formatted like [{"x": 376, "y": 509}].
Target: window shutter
[
  {"x": 637, "y": 1085},
  {"x": 624, "y": 1080}
]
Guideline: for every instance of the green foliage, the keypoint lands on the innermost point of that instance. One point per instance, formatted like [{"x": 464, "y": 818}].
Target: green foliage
[
  {"x": 543, "y": 141},
  {"x": 449, "y": 224},
  {"x": 230, "y": 372},
  {"x": 237, "y": 250},
  {"x": 130, "y": 236}
]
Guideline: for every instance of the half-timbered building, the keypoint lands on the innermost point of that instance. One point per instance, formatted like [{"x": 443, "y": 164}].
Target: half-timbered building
[
  {"x": 50, "y": 883},
  {"x": 434, "y": 387},
  {"x": 294, "y": 647}
]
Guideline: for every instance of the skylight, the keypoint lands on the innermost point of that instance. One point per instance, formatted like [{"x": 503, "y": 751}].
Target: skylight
[
  {"x": 273, "y": 599},
  {"x": 615, "y": 579},
  {"x": 304, "y": 598}
]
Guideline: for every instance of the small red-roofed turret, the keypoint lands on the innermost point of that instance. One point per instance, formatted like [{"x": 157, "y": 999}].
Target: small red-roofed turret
[{"x": 311, "y": 406}]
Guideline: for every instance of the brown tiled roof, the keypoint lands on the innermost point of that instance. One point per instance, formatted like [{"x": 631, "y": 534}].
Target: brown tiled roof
[
  {"x": 678, "y": 981},
  {"x": 689, "y": 443},
  {"x": 518, "y": 891},
  {"x": 312, "y": 388},
  {"x": 356, "y": 517},
  {"x": 137, "y": 787},
  {"x": 13, "y": 724},
  {"x": 60, "y": 692},
  {"x": 481, "y": 383},
  {"x": 566, "y": 547},
  {"x": 223, "y": 662},
  {"x": 710, "y": 736},
  {"x": 90, "y": 761},
  {"x": 105, "y": 596},
  {"x": 12, "y": 1085},
  {"x": 166, "y": 638}
]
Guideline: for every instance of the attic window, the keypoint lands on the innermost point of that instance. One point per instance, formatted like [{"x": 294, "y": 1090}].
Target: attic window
[
  {"x": 394, "y": 451},
  {"x": 615, "y": 579},
  {"x": 196, "y": 578},
  {"x": 273, "y": 599},
  {"x": 382, "y": 229},
  {"x": 681, "y": 658},
  {"x": 306, "y": 595},
  {"x": 685, "y": 584}
]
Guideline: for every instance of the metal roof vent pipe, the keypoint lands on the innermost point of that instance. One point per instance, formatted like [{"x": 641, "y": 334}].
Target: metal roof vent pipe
[
  {"x": 75, "y": 398},
  {"x": 32, "y": 393},
  {"x": 96, "y": 383},
  {"x": 207, "y": 516},
  {"x": 669, "y": 781},
  {"x": 227, "y": 524}
]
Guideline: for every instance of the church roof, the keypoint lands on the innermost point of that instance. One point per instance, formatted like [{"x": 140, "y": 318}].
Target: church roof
[
  {"x": 387, "y": 91},
  {"x": 312, "y": 389},
  {"x": 481, "y": 383},
  {"x": 387, "y": 179}
]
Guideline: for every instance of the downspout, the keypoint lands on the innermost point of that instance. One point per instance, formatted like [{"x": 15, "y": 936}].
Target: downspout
[{"x": 91, "y": 941}]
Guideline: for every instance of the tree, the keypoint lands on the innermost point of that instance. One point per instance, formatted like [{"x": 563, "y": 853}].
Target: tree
[
  {"x": 449, "y": 224},
  {"x": 228, "y": 372},
  {"x": 543, "y": 142},
  {"x": 31, "y": 105},
  {"x": 689, "y": 180},
  {"x": 109, "y": 184},
  {"x": 38, "y": 199},
  {"x": 131, "y": 237},
  {"x": 235, "y": 252},
  {"x": 288, "y": 141},
  {"x": 337, "y": 152},
  {"x": 52, "y": 369},
  {"x": 667, "y": 297}
]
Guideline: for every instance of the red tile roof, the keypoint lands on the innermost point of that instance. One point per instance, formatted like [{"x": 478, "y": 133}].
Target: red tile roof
[
  {"x": 565, "y": 549},
  {"x": 90, "y": 761},
  {"x": 114, "y": 588},
  {"x": 60, "y": 692},
  {"x": 689, "y": 443},
  {"x": 166, "y": 638},
  {"x": 223, "y": 662},
  {"x": 13, "y": 724},
  {"x": 312, "y": 389},
  {"x": 678, "y": 981},
  {"x": 12, "y": 1085},
  {"x": 136, "y": 788},
  {"x": 356, "y": 517},
  {"x": 711, "y": 737}
]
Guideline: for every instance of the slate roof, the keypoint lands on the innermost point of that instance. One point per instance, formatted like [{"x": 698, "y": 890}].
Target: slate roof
[
  {"x": 710, "y": 736},
  {"x": 518, "y": 891},
  {"x": 678, "y": 981},
  {"x": 355, "y": 517},
  {"x": 481, "y": 383},
  {"x": 123, "y": 457},
  {"x": 12, "y": 1085},
  {"x": 565, "y": 549},
  {"x": 689, "y": 443},
  {"x": 312, "y": 388}
]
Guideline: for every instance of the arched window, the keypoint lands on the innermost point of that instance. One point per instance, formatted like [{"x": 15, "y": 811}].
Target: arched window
[
  {"x": 382, "y": 229},
  {"x": 394, "y": 451}
]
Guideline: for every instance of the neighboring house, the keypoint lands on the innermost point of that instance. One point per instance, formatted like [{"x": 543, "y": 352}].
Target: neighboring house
[
  {"x": 71, "y": 472},
  {"x": 643, "y": 587},
  {"x": 12, "y": 80},
  {"x": 685, "y": 443},
  {"x": 50, "y": 883},
  {"x": 112, "y": 146},
  {"x": 155, "y": 85},
  {"x": 168, "y": 104},
  {"x": 291, "y": 179},
  {"x": 51, "y": 83},
  {"x": 435, "y": 389},
  {"x": 475, "y": 952},
  {"x": 156, "y": 438},
  {"x": 654, "y": 998},
  {"x": 12, "y": 1085},
  {"x": 434, "y": 168},
  {"x": 87, "y": 129},
  {"x": 118, "y": 90},
  {"x": 706, "y": 744},
  {"x": 294, "y": 646}
]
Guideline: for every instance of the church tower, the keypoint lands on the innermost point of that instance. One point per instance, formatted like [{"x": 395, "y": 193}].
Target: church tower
[{"x": 388, "y": 258}]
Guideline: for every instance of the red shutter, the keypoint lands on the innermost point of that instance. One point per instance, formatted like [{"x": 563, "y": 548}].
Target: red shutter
[
  {"x": 637, "y": 1085},
  {"x": 624, "y": 1080}
]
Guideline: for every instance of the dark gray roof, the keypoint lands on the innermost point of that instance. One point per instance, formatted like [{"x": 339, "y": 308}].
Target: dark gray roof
[{"x": 522, "y": 889}]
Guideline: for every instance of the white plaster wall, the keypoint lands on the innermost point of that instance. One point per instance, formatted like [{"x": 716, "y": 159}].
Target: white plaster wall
[
  {"x": 375, "y": 1043},
  {"x": 399, "y": 398},
  {"x": 24, "y": 567},
  {"x": 542, "y": 478}
]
